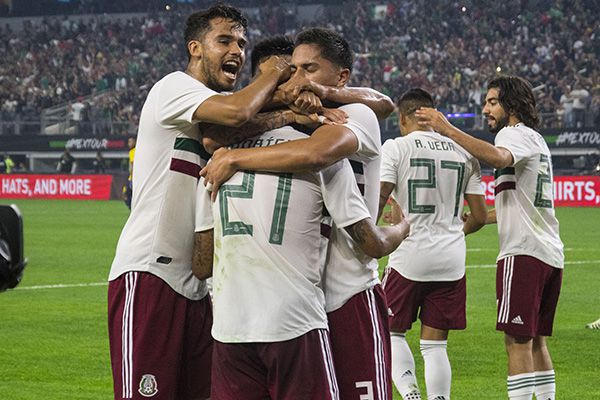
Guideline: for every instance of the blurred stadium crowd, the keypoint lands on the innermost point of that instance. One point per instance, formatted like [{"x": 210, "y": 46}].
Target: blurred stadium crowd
[{"x": 450, "y": 49}]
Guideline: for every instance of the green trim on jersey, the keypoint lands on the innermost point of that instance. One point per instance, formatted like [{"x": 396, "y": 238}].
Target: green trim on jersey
[{"x": 504, "y": 171}]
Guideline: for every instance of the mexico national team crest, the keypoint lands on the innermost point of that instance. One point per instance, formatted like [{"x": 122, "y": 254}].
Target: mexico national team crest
[{"x": 148, "y": 386}]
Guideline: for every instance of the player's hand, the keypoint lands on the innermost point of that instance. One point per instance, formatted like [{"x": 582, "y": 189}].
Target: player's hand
[
  {"x": 308, "y": 103},
  {"x": 433, "y": 118},
  {"x": 397, "y": 217},
  {"x": 218, "y": 171},
  {"x": 310, "y": 120},
  {"x": 276, "y": 64},
  {"x": 334, "y": 116},
  {"x": 297, "y": 84},
  {"x": 465, "y": 216}
]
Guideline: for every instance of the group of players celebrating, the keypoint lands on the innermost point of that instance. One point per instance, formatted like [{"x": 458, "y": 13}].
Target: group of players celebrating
[{"x": 284, "y": 219}]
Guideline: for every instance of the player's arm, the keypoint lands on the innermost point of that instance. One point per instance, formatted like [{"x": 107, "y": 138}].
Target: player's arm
[
  {"x": 328, "y": 144},
  {"x": 497, "y": 157},
  {"x": 385, "y": 190},
  {"x": 238, "y": 108},
  {"x": 217, "y": 136},
  {"x": 381, "y": 104},
  {"x": 477, "y": 216},
  {"x": 202, "y": 257},
  {"x": 491, "y": 217},
  {"x": 378, "y": 241}
]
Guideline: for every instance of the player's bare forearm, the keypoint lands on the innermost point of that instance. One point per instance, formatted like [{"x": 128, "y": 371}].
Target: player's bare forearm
[
  {"x": 496, "y": 157},
  {"x": 377, "y": 241},
  {"x": 202, "y": 256},
  {"x": 381, "y": 104},
  {"x": 327, "y": 145},
  {"x": 385, "y": 189},
  {"x": 216, "y": 136},
  {"x": 478, "y": 215}
]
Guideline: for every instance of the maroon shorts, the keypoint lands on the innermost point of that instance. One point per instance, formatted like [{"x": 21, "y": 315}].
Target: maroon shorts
[
  {"x": 160, "y": 341},
  {"x": 296, "y": 369},
  {"x": 360, "y": 339},
  {"x": 527, "y": 292},
  {"x": 439, "y": 305}
]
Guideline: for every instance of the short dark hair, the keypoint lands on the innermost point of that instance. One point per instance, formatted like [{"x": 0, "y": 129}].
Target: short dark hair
[
  {"x": 515, "y": 95},
  {"x": 198, "y": 23},
  {"x": 333, "y": 46},
  {"x": 274, "y": 46},
  {"x": 413, "y": 99}
]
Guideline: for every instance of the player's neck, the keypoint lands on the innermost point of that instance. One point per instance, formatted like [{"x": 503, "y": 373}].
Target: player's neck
[
  {"x": 416, "y": 127},
  {"x": 513, "y": 120}
]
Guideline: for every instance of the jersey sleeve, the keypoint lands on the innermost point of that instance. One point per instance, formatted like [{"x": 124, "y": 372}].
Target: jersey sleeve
[
  {"x": 515, "y": 142},
  {"x": 179, "y": 97},
  {"x": 341, "y": 195},
  {"x": 474, "y": 181},
  {"x": 390, "y": 162},
  {"x": 204, "y": 215},
  {"x": 363, "y": 123}
]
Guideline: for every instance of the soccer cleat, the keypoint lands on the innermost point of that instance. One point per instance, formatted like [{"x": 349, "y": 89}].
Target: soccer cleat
[{"x": 594, "y": 325}]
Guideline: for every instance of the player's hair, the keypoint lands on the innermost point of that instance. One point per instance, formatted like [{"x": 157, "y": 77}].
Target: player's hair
[
  {"x": 274, "y": 46},
  {"x": 333, "y": 46},
  {"x": 413, "y": 99},
  {"x": 516, "y": 96},
  {"x": 198, "y": 23}
]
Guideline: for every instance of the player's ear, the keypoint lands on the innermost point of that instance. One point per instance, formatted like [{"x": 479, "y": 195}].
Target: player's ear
[
  {"x": 194, "y": 48},
  {"x": 343, "y": 77}
]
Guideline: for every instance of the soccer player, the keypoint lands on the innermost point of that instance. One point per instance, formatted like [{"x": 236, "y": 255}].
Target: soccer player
[
  {"x": 159, "y": 313},
  {"x": 355, "y": 303},
  {"x": 270, "y": 324},
  {"x": 128, "y": 187},
  {"x": 530, "y": 263},
  {"x": 430, "y": 176}
]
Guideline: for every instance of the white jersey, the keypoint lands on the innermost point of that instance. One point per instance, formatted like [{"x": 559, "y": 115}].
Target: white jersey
[
  {"x": 350, "y": 271},
  {"x": 158, "y": 236},
  {"x": 524, "y": 198},
  {"x": 431, "y": 175},
  {"x": 269, "y": 248}
]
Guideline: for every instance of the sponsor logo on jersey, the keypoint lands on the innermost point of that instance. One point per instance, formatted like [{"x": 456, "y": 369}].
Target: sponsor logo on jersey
[{"x": 148, "y": 386}]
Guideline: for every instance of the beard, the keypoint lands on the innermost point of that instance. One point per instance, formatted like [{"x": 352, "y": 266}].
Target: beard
[
  {"x": 211, "y": 72},
  {"x": 500, "y": 123}
]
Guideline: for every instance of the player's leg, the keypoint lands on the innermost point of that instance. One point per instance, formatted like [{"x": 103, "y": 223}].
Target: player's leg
[
  {"x": 360, "y": 342},
  {"x": 520, "y": 283},
  {"x": 545, "y": 382},
  {"x": 195, "y": 377},
  {"x": 301, "y": 368},
  {"x": 238, "y": 372},
  {"x": 443, "y": 309},
  {"x": 403, "y": 300},
  {"x": 146, "y": 319}
]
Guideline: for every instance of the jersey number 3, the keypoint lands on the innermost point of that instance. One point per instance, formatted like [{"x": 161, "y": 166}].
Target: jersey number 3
[{"x": 245, "y": 191}]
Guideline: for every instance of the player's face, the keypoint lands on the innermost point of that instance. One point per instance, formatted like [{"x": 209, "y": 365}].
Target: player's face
[
  {"x": 496, "y": 116},
  {"x": 222, "y": 54},
  {"x": 307, "y": 60}
]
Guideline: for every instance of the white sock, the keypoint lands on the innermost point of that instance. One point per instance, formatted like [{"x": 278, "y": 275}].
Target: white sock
[
  {"x": 403, "y": 368},
  {"x": 545, "y": 385},
  {"x": 520, "y": 387},
  {"x": 438, "y": 374}
]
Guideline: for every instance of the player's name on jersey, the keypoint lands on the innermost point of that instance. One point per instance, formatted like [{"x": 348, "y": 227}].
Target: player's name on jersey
[
  {"x": 435, "y": 145},
  {"x": 258, "y": 142}
]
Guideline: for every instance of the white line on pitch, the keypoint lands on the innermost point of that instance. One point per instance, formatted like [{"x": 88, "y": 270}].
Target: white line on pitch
[
  {"x": 566, "y": 263},
  {"x": 62, "y": 285}
]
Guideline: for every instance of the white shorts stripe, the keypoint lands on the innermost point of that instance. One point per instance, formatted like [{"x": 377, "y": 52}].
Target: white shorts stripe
[
  {"x": 127, "y": 335},
  {"x": 378, "y": 351},
  {"x": 329, "y": 368},
  {"x": 504, "y": 310}
]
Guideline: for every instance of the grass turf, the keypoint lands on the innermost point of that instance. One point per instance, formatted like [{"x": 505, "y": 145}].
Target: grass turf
[{"x": 54, "y": 340}]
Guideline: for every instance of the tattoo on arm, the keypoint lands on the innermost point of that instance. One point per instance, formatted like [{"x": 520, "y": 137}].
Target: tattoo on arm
[
  {"x": 359, "y": 231},
  {"x": 260, "y": 123}
]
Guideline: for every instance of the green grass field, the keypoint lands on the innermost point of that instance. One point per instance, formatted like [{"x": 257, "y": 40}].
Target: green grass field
[{"x": 53, "y": 340}]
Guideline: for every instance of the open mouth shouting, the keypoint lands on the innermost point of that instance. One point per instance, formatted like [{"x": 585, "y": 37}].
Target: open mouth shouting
[{"x": 231, "y": 68}]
